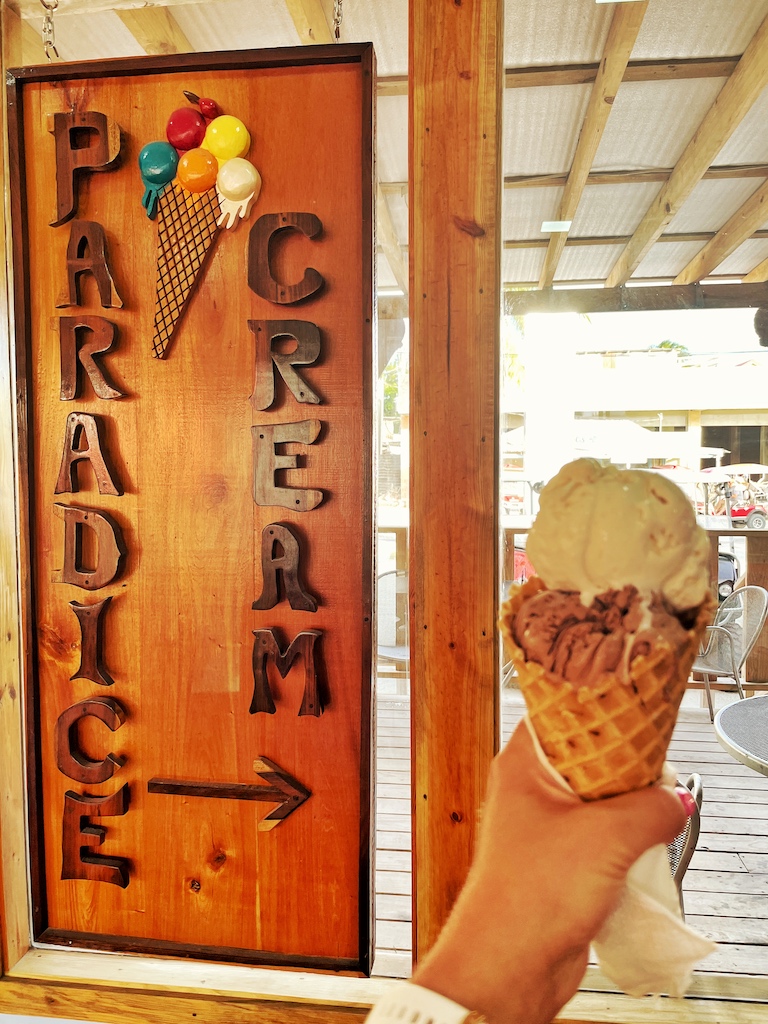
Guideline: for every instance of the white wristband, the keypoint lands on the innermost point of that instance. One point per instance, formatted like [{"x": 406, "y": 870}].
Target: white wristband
[{"x": 412, "y": 1004}]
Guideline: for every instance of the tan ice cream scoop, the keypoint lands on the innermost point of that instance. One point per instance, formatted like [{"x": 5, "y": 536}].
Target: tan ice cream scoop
[{"x": 603, "y": 672}]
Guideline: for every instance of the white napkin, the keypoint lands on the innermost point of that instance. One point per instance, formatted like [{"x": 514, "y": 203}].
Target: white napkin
[{"x": 645, "y": 947}]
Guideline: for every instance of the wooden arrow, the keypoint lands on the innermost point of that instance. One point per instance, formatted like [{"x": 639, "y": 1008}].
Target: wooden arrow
[{"x": 287, "y": 792}]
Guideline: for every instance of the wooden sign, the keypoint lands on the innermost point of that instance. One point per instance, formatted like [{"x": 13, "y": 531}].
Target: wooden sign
[{"x": 199, "y": 583}]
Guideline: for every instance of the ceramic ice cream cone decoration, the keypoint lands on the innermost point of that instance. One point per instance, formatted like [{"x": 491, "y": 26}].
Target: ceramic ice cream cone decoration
[
  {"x": 195, "y": 183},
  {"x": 603, "y": 638}
]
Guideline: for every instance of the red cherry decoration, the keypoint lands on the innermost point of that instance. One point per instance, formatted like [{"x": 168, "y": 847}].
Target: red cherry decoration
[
  {"x": 208, "y": 108},
  {"x": 185, "y": 129}
]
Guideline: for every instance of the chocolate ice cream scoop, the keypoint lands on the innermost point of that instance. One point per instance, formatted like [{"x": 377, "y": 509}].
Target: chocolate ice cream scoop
[{"x": 582, "y": 644}]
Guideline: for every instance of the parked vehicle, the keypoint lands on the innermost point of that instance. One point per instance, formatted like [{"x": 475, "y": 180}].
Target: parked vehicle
[
  {"x": 755, "y": 517},
  {"x": 728, "y": 572},
  {"x": 747, "y": 509}
]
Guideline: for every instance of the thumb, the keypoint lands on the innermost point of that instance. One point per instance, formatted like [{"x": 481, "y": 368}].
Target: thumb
[{"x": 647, "y": 818}]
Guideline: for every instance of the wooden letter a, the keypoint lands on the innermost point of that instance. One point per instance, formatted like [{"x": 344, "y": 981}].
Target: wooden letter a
[
  {"x": 272, "y": 565},
  {"x": 81, "y": 427},
  {"x": 87, "y": 253}
]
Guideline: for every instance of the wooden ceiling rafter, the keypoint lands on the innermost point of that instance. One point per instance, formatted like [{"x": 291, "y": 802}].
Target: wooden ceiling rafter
[
  {"x": 387, "y": 241},
  {"x": 641, "y": 296},
  {"x": 542, "y": 76},
  {"x": 32, "y": 9},
  {"x": 721, "y": 120},
  {"x": 625, "y": 25},
  {"x": 312, "y": 27},
  {"x": 310, "y": 21},
  {"x": 636, "y": 177},
  {"x": 25, "y": 44},
  {"x": 757, "y": 274},
  {"x": 155, "y": 30},
  {"x": 750, "y": 216},
  {"x": 636, "y": 71},
  {"x": 683, "y": 236}
]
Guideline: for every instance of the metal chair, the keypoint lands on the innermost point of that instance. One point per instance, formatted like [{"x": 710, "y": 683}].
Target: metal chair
[
  {"x": 682, "y": 848},
  {"x": 731, "y": 637},
  {"x": 392, "y": 641}
]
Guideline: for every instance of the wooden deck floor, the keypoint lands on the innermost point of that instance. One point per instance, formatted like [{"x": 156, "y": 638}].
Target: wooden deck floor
[{"x": 725, "y": 888}]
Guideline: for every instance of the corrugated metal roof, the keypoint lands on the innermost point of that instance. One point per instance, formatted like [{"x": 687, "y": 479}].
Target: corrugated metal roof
[
  {"x": 680, "y": 63},
  {"x": 665, "y": 261},
  {"x": 541, "y": 128},
  {"x": 747, "y": 256},
  {"x": 712, "y": 203},
  {"x": 698, "y": 28},
  {"x": 208, "y": 31},
  {"x": 591, "y": 262},
  {"x": 557, "y": 32},
  {"x": 652, "y": 122},
  {"x": 612, "y": 209},
  {"x": 524, "y": 209},
  {"x": 522, "y": 264}
]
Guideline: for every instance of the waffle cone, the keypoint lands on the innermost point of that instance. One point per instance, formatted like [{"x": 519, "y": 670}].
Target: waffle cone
[
  {"x": 186, "y": 230},
  {"x": 611, "y": 737}
]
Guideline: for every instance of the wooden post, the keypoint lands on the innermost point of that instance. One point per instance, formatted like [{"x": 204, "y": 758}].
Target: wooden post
[
  {"x": 455, "y": 190},
  {"x": 756, "y": 668},
  {"x": 13, "y": 874}
]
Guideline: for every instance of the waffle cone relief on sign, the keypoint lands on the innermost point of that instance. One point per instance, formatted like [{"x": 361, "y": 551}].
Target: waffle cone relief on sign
[
  {"x": 196, "y": 181},
  {"x": 604, "y": 636}
]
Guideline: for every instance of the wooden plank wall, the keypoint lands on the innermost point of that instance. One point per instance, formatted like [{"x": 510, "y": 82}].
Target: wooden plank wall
[{"x": 455, "y": 194}]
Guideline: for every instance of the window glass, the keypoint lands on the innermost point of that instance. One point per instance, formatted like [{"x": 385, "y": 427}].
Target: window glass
[{"x": 681, "y": 393}]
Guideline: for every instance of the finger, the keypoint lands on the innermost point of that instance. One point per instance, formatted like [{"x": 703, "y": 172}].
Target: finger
[{"x": 646, "y": 817}]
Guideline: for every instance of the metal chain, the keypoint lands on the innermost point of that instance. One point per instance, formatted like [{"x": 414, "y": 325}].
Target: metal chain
[
  {"x": 48, "y": 34},
  {"x": 338, "y": 15}
]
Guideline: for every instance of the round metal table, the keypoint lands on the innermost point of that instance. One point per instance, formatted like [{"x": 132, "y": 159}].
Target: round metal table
[{"x": 742, "y": 729}]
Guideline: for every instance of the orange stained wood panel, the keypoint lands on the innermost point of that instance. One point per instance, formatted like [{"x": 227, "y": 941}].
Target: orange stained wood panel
[
  {"x": 178, "y": 634},
  {"x": 756, "y": 667},
  {"x": 455, "y": 301},
  {"x": 127, "y": 1006}
]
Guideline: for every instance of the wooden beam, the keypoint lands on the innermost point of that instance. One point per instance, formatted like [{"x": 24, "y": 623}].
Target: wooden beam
[
  {"x": 392, "y": 85},
  {"x": 310, "y": 21},
  {"x": 638, "y": 177},
  {"x": 155, "y": 30},
  {"x": 32, "y": 8},
  {"x": 386, "y": 238},
  {"x": 14, "y": 918},
  {"x": 625, "y": 24},
  {"x": 747, "y": 219},
  {"x": 682, "y": 236},
  {"x": 637, "y": 71},
  {"x": 541, "y": 243},
  {"x": 110, "y": 1005},
  {"x": 623, "y": 299},
  {"x": 455, "y": 128},
  {"x": 22, "y": 44},
  {"x": 757, "y": 274},
  {"x": 394, "y": 188},
  {"x": 721, "y": 120},
  {"x": 391, "y": 307},
  {"x": 585, "y": 74}
]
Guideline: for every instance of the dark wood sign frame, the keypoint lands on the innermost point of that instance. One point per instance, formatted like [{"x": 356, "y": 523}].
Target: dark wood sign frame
[{"x": 71, "y": 745}]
